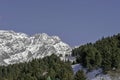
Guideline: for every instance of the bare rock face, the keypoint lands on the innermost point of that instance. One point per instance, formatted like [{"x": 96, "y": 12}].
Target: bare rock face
[{"x": 19, "y": 47}]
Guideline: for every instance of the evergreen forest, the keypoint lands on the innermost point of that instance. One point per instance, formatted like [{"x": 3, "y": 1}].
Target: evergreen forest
[
  {"x": 48, "y": 68},
  {"x": 104, "y": 53}
]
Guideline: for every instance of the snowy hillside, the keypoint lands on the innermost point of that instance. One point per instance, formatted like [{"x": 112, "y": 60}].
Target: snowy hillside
[
  {"x": 19, "y": 47},
  {"x": 92, "y": 75}
]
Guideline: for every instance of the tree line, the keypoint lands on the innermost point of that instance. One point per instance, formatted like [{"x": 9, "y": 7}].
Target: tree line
[
  {"x": 48, "y": 68},
  {"x": 104, "y": 53}
]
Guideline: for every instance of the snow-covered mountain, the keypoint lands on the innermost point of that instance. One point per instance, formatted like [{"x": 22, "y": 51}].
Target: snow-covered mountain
[{"x": 19, "y": 47}]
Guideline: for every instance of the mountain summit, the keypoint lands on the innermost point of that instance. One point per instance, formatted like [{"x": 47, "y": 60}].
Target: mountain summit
[{"x": 19, "y": 47}]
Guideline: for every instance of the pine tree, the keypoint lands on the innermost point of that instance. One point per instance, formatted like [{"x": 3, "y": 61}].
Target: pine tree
[
  {"x": 48, "y": 78},
  {"x": 80, "y": 75}
]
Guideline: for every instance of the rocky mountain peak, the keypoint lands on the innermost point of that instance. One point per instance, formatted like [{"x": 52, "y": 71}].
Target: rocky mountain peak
[{"x": 20, "y": 47}]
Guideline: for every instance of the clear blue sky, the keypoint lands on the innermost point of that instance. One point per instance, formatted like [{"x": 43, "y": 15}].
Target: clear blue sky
[{"x": 75, "y": 21}]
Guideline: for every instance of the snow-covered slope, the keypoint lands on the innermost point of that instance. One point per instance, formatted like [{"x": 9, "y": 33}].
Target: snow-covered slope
[
  {"x": 19, "y": 47},
  {"x": 92, "y": 75}
]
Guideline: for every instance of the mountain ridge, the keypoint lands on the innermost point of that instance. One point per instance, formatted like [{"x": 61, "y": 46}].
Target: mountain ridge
[{"x": 20, "y": 47}]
